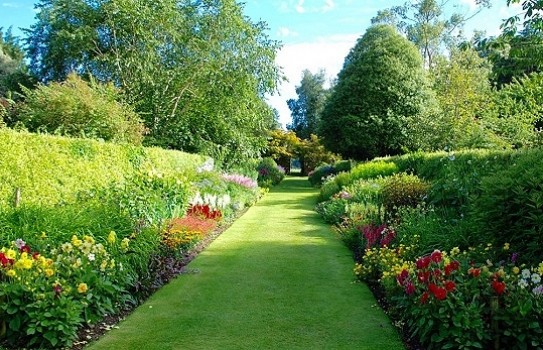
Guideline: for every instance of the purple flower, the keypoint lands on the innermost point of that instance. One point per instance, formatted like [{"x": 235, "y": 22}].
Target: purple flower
[{"x": 514, "y": 258}]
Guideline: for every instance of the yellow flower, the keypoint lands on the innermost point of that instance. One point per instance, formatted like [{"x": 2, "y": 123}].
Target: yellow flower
[
  {"x": 500, "y": 272},
  {"x": 82, "y": 288},
  {"x": 43, "y": 235},
  {"x": 506, "y": 246},
  {"x": 88, "y": 239},
  {"x": 540, "y": 269},
  {"x": 124, "y": 244},
  {"x": 112, "y": 237},
  {"x": 11, "y": 273},
  {"x": 455, "y": 251},
  {"x": 49, "y": 272},
  {"x": 516, "y": 270},
  {"x": 11, "y": 254},
  {"x": 66, "y": 247},
  {"x": 76, "y": 241}
]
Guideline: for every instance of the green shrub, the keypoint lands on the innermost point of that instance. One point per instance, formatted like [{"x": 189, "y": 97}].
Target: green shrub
[
  {"x": 509, "y": 208},
  {"x": 333, "y": 211},
  {"x": 269, "y": 173},
  {"x": 50, "y": 170},
  {"x": 317, "y": 176},
  {"x": 81, "y": 109},
  {"x": 328, "y": 189},
  {"x": 403, "y": 190}
]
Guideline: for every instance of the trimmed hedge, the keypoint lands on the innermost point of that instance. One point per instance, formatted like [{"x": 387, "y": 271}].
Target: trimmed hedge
[{"x": 50, "y": 170}]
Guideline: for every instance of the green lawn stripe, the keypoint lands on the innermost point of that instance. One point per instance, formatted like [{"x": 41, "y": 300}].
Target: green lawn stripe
[{"x": 276, "y": 279}]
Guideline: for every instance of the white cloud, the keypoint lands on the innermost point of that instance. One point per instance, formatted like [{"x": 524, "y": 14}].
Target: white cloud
[
  {"x": 324, "y": 53},
  {"x": 300, "y": 6},
  {"x": 328, "y": 5},
  {"x": 10, "y": 4},
  {"x": 284, "y": 32},
  {"x": 472, "y": 4}
]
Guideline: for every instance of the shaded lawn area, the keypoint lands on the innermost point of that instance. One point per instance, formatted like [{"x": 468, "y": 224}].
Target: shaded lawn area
[{"x": 276, "y": 279}]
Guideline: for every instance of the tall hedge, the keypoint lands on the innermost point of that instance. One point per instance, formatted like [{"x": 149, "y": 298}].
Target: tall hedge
[{"x": 49, "y": 169}]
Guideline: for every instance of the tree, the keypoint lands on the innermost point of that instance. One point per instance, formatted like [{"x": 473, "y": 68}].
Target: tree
[
  {"x": 512, "y": 56},
  {"x": 80, "y": 109},
  {"x": 532, "y": 16},
  {"x": 423, "y": 23},
  {"x": 13, "y": 70},
  {"x": 306, "y": 110},
  {"x": 381, "y": 88},
  {"x": 196, "y": 71},
  {"x": 465, "y": 96}
]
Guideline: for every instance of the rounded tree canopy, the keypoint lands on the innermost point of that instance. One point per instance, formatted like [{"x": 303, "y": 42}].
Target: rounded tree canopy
[{"x": 381, "y": 86}]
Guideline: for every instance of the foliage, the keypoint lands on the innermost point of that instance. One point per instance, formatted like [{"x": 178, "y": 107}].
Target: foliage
[
  {"x": 463, "y": 90},
  {"x": 196, "y": 72},
  {"x": 75, "y": 167},
  {"x": 269, "y": 173},
  {"x": 313, "y": 152},
  {"x": 455, "y": 300},
  {"x": 509, "y": 206},
  {"x": 76, "y": 108},
  {"x": 333, "y": 211},
  {"x": 423, "y": 23},
  {"x": 381, "y": 87},
  {"x": 282, "y": 147},
  {"x": 47, "y": 297},
  {"x": 13, "y": 69},
  {"x": 403, "y": 190},
  {"x": 519, "y": 110},
  {"x": 306, "y": 110},
  {"x": 317, "y": 176}
]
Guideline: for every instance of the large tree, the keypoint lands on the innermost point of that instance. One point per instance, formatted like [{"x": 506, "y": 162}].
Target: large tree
[
  {"x": 424, "y": 23},
  {"x": 13, "y": 69},
  {"x": 197, "y": 71},
  {"x": 380, "y": 90},
  {"x": 306, "y": 110}
]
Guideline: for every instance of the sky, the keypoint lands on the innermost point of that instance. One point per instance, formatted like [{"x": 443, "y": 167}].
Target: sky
[{"x": 315, "y": 34}]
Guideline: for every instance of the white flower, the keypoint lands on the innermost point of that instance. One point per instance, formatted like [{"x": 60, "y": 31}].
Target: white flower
[
  {"x": 522, "y": 283},
  {"x": 526, "y": 273},
  {"x": 19, "y": 243},
  {"x": 536, "y": 278},
  {"x": 91, "y": 257}
]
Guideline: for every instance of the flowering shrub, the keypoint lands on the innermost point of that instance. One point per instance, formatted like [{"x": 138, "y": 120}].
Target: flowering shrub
[
  {"x": 45, "y": 298},
  {"x": 240, "y": 180},
  {"x": 269, "y": 173},
  {"x": 451, "y": 300},
  {"x": 183, "y": 233}
]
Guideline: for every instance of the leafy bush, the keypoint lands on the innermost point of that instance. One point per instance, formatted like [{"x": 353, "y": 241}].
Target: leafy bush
[
  {"x": 269, "y": 173},
  {"x": 317, "y": 176},
  {"x": 509, "y": 207},
  {"x": 333, "y": 211},
  {"x": 403, "y": 190},
  {"x": 461, "y": 300},
  {"x": 81, "y": 109},
  {"x": 70, "y": 167}
]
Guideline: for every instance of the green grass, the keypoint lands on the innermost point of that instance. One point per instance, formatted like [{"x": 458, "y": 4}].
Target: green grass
[{"x": 276, "y": 279}]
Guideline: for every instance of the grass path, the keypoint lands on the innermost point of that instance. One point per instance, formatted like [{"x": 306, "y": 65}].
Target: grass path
[{"x": 276, "y": 279}]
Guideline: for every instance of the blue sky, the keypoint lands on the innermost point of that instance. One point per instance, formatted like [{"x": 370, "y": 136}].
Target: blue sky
[{"x": 315, "y": 33}]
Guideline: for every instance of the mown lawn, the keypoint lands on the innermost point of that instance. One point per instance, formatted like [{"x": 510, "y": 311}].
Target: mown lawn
[{"x": 276, "y": 279}]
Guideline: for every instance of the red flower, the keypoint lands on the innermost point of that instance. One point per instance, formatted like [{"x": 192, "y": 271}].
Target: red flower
[
  {"x": 409, "y": 288},
  {"x": 402, "y": 277},
  {"x": 423, "y": 276},
  {"x": 35, "y": 255},
  {"x": 439, "y": 292},
  {"x": 423, "y": 263},
  {"x": 499, "y": 287},
  {"x": 4, "y": 260},
  {"x": 450, "y": 286},
  {"x": 424, "y": 298},
  {"x": 25, "y": 249},
  {"x": 437, "y": 272},
  {"x": 474, "y": 272},
  {"x": 57, "y": 288},
  {"x": 453, "y": 266},
  {"x": 436, "y": 256}
]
